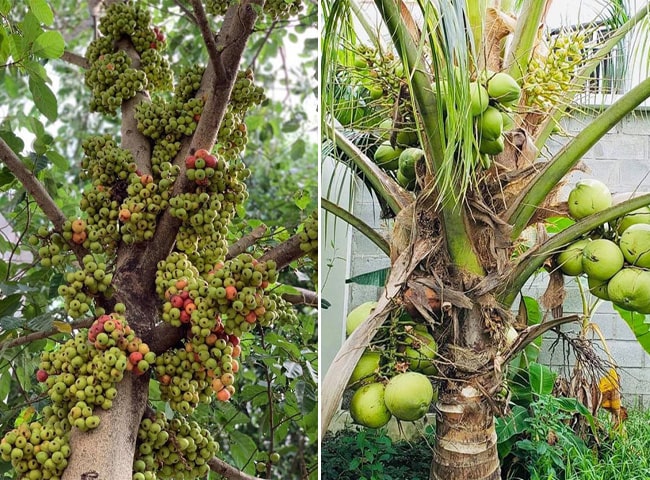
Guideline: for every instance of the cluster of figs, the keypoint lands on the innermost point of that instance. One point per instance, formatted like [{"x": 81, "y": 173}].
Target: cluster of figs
[
  {"x": 392, "y": 384},
  {"x": 491, "y": 98},
  {"x": 615, "y": 258}
]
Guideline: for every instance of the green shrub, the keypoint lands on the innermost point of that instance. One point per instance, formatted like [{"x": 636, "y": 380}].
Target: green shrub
[{"x": 369, "y": 454}]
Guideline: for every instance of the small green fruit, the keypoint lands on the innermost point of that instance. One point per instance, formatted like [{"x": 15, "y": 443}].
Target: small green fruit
[
  {"x": 490, "y": 124},
  {"x": 492, "y": 147},
  {"x": 598, "y": 288},
  {"x": 365, "y": 369},
  {"x": 387, "y": 157},
  {"x": 630, "y": 289},
  {"x": 407, "y": 161}
]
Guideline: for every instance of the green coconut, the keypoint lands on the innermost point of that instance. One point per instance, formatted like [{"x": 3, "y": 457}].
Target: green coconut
[
  {"x": 508, "y": 121},
  {"x": 421, "y": 351},
  {"x": 408, "y": 396},
  {"x": 366, "y": 368},
  {"x": 589, "y": 196},
  {"x": 503, "y": 88},
  {"x": 642, "y": 215},
  {"x": 570, "y": 260},
  {"x": 407, "y": 183},
  {"x": 358, "y": 315},
  {"x": 598, "y": 288},
  {"x": 407, "y": 160},
  {"x": 407, "y": 137},
  {"x": 387, "y": 157},
  {"x": 492, "y": 147},
  {"x": 635, "y": 245},
  {"x": 602, "y": 259},
  {"x": 368, "y": 408},
  {"x": 479, "y": 98},
  {"x": 630, "y": 289},
  {"x": 490, "y": 124}
]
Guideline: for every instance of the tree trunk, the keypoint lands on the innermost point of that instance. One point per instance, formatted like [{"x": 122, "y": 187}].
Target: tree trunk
[
  {"x": 465, "y": 446},
  {"x": 106, "y": 453},
  {"x": 466, "y": 441}
]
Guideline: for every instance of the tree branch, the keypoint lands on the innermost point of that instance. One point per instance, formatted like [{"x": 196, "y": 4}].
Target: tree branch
[
  {"x": 246, "y": 241},
  {"x": 208, "y": 37},
  {"x": 75, "y": 59},
  {"x": 236, "y": 29},
  {"x": 303, "y": 297},
  {"x": 32, "y": 337},
  {"x": 37, "y": 191},
  {"x": 231, "y": 473},
  {"x": 284, "y": 253}
]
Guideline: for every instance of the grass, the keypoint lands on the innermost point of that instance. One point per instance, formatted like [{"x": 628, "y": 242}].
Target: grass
[{"x": 624, "y": 456}]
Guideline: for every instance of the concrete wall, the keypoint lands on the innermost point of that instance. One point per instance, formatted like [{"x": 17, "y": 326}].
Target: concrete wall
[{"x": 621, "y": 159}]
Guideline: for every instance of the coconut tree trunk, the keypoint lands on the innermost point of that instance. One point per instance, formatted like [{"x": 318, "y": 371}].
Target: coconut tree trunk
[
  {"x": 465, "y": 446},
  {"x": 466, "y": 440}
]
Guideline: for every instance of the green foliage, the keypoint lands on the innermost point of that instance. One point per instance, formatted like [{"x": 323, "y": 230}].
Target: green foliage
[
  {"x": 545, "y": 443},
  {"x": 370, "y": 454},
  {"x": 625, "y": 453}
]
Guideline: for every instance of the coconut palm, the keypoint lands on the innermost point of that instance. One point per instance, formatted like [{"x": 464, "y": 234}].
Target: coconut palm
[{"x": 458, "y": 261}]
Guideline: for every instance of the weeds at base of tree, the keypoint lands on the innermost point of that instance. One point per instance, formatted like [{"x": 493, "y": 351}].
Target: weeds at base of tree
[{"x": 370, "y": 454}]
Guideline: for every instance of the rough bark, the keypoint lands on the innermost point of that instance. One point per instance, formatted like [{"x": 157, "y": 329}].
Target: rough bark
[{"x": 465, "y": 447}]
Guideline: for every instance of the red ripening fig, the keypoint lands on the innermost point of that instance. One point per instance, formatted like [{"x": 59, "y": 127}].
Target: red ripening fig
[
  {"x": 185, "y": 317},
  {"x": 185, "y": 294},
  {"x": 146, "y": 179},
  {"x": 41, "y": 375},
  {"x": 78, "y": 225},
  {"x": 124, "y": 215},
  {"x": 210, "y": 161},
  {"x": 234, "y": 339},
  {"x": 177, "y": 301},
  {"x": 201, "y": 153},
  {"x": 251, "y": 317},
  {"x": 231, "y": 292},
  {"x": 190, "y": 162},
  {"x": 135, "y": 357}
]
